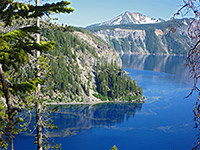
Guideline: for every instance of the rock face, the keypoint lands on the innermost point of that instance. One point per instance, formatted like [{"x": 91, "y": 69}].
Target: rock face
[
  {"x": 130, "y": 18},
  {"x": 102, "y": 49},
  {"x": 86, "y": 62},
  {"x": 74, "y": 66},
  {"x": 117, "y": 38},
  {"x": 145, "y": 38}
]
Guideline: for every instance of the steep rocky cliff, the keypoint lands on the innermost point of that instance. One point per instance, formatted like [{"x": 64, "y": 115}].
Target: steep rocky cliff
[
  {"x": 145, "y": 38},
  {"x": 86, "y": 69}
]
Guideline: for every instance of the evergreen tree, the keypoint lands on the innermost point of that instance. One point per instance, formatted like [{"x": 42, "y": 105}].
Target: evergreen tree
[
  {"x": 113, "y": 83},
  {"x": 16, "y": 47}
]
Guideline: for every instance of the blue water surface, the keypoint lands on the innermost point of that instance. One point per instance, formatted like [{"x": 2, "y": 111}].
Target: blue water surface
[{"x": 164, "y": 121}]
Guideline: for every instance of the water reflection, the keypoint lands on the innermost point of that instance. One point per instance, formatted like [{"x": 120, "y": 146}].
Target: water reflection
[
  {"x": 71, "y": 119},
  {"x": 158, "y": 63},
  {"x": 164, "y": 121}
]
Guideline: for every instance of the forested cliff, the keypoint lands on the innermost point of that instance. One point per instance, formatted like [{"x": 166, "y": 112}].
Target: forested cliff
[{"x": 83, "y": 68}]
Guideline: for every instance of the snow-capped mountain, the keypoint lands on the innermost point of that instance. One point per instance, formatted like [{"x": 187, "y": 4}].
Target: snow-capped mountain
[{"x": 130, "y": 18}]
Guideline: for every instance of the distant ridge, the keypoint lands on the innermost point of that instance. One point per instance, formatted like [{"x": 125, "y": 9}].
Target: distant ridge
[
  {"x": 129, "y": 18},
  {"x": 143, "y": 35}
]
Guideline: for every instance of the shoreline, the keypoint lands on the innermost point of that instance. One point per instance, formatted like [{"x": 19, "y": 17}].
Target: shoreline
[
  {"x": 141, "y": 100},
  {"x": 157, "y": 54}
]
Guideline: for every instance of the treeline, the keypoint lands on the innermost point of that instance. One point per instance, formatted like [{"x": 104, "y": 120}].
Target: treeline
[
  {"x": 65, "y": 71},
  {"x": 113, "y": 83},
  {"x": 62, "y": 72},
  {"x": 127, "y": 44}
]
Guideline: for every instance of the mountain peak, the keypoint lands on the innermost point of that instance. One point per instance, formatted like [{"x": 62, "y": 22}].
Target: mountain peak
[{"x": 130, "y": 18}]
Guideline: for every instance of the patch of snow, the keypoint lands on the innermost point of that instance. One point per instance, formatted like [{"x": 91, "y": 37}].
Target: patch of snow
[
  {"x": 136, "y": 16},
  {"x": 133, "y": 18},
  {"x": 185, "y": 23},
  {"x": 130, "y": 17},
  {"x": 118, "y": 21}
]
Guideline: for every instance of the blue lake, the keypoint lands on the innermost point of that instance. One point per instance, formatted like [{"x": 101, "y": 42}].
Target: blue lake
[{"x": 164, "y": 121}]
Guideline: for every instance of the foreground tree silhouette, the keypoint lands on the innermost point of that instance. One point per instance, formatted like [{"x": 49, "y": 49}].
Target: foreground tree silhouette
[
  {"x": 17, "y": 44},
  {"x": 193, "y": 56}
]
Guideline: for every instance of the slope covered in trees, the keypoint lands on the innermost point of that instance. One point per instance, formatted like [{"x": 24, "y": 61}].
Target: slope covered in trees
[
  {"x": 112, "y": 82},
  {"x": 84, "y": 68}
]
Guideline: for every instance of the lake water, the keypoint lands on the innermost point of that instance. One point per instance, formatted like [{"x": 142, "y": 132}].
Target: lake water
[{"x": 164, "y": 121}]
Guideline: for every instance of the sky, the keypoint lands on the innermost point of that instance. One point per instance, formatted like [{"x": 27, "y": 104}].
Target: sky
[{"x": 87, "y": 12}]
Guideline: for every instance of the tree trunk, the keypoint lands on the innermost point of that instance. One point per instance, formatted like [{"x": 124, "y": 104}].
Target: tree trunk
[
  {"x": 38, "y": 104},
  {"x": 9, "y": 104},
  {"x": 39, "y": 125}
]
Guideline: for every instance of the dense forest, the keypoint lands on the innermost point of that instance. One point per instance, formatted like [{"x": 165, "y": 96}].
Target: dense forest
[
  {"x": 108, "y": 81},
  {"x": 112, "y": 82}
]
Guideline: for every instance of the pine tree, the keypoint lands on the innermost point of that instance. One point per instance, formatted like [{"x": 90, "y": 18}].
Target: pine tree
[{"x": 16, "y": 47}]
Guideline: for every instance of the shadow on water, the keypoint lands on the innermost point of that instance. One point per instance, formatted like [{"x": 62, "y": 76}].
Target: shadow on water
[
  {"x": 166, "y": 64},
  {"x": 71, "y": 119},
  {"x": 164, "y": 121},
  {"x": 158, "y": 63}
]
